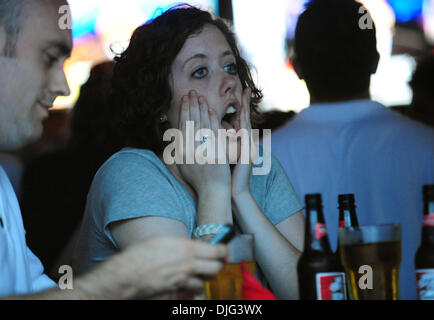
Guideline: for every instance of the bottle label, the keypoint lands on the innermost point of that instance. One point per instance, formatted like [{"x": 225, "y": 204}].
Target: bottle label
[
  {"x": 330, "y": 286},
  {"x": 341, "y": 223},
  {"x": 320, "y": 230},
  {"x": 425, "y": 284},
  {"x": 428, "y": 220}
]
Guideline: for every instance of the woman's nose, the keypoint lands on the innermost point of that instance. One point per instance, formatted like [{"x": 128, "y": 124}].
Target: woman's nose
[{"x": 228, "y": 83}]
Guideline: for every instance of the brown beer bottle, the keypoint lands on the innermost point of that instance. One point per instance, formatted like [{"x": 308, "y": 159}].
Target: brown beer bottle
[
  {"x": 347, "y": 211},
  {"x": 347, "y": 218},
  {"x": 424, "y": 260},
  {"x": 347, "y": 215},
  {"x": 320, "y": 277}
]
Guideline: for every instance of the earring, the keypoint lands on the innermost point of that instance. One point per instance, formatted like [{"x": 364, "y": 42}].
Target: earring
[{"x": 163, "y": 118}]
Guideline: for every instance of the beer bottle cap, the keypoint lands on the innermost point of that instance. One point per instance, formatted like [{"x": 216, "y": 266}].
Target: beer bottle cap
[
  {"x": 428, "y": 192},
  {"x": 346, "y": 200},
  {"x": 313, "y": 200}
]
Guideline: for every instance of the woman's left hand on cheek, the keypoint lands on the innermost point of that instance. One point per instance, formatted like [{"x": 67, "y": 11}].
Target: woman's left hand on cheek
[{"x": 241, "y": 171}]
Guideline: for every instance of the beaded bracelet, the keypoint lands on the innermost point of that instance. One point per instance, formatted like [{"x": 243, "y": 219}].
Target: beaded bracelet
[{"x": 207, "y": 229}]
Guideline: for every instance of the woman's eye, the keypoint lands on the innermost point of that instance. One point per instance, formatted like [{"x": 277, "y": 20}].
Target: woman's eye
[
  {"x": 200, "y": 73},
  {"x": 231, "y": 69}
]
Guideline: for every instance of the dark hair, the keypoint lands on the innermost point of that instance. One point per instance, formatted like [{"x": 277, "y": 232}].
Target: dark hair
[
  {"x": 90, "y": 116},
  {"x": 141, "y": 92},
  {"x": 11, "y": 12},
  {"x": 335, "y": 54}
]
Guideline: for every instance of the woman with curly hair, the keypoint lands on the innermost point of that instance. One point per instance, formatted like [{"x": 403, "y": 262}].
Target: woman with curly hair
[{"x": 182, "y": 66}]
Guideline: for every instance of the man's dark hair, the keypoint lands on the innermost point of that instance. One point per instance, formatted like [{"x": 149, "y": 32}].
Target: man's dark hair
[
  {"x": 11, "y": 12},
  {"x": 141, "y": 92},
  {"x": 335, "y": 54}
]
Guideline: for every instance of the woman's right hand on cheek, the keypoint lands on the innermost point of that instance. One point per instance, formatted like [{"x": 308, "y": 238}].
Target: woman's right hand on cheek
[{"x": 203, "y": 175}]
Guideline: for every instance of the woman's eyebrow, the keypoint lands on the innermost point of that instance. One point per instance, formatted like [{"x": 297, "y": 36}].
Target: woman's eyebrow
[
  {"x": 204, "y": 56},
  {"x": 227, "y": 53},
  {"x": 196, "y": 56}
]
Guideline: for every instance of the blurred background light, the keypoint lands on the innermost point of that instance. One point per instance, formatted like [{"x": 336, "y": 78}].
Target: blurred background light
[
  {"x": 407, "y": 10},
  {"x": 103, "y": 26},
  {"x": 273, "y": 24},
  {"x": 99, "y": 25},
  {"x": 389, "y": 85},
  {"x": 428, "y": 20}
]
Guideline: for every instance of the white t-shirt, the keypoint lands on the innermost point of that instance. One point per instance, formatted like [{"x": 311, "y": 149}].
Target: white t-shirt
[{"x": 21, "y": 272}]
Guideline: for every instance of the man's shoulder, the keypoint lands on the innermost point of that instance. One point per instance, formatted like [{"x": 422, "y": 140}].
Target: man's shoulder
[
  {"x": 405, "y": 128},
  {"x": 282, "y": 132},
  {"x": 368, "y": 115}
]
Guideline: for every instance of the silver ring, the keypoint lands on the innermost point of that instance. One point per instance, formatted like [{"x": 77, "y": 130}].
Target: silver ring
[{"x": 205, "y": 138}]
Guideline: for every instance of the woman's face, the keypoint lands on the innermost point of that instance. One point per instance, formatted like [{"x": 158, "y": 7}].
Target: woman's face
[{"x": 207, "y": 65}]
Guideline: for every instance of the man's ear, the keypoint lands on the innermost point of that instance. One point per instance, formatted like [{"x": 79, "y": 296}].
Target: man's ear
[
  {"x": 375, "y": 62},
  {"x": 297, "y": 68}
]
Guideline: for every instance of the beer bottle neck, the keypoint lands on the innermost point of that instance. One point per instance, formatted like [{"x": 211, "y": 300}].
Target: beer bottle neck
[
  {"x": 347, "y": 217},
  {"x": 428, "y": 222},
  {"x": 428, "y": 207},
  {"x": 316, "y": 236}
]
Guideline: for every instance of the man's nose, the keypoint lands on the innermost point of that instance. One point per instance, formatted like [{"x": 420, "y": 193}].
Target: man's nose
[{"x": 59, "y": 84}]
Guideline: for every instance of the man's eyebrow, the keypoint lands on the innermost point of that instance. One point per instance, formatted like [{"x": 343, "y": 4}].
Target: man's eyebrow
[{"x": 64, "y": 49}]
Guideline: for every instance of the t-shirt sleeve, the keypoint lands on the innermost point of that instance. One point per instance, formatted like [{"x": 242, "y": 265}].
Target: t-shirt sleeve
[
  {"x": 281, "y": 201},
  {"x": 132, "y": 186},
  {"x": 40, "y": 281}
]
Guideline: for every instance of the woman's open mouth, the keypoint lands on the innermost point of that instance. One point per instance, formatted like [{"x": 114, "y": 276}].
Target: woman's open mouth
[{"x": 231, "y": 119}]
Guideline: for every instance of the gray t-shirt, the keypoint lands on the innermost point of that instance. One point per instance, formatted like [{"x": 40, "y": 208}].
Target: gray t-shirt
[{"x": 135, "y": 183}]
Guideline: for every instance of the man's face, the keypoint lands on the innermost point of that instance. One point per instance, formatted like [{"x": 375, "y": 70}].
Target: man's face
[{"x": 31, "y": 80}]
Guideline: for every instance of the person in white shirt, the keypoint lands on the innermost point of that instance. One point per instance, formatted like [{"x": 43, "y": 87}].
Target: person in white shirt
[
  {"x": 346, "y": 143},
  {"x": 33, "y": 49}
]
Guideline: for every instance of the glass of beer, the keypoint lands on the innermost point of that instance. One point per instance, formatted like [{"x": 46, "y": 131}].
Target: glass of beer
[
  {"x": 371, "y": 256},
  {"x": 229, "y": 282}
]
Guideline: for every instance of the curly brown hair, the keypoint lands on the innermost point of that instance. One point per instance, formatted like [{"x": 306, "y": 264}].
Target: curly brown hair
[{"x": 141, "y": 92}]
